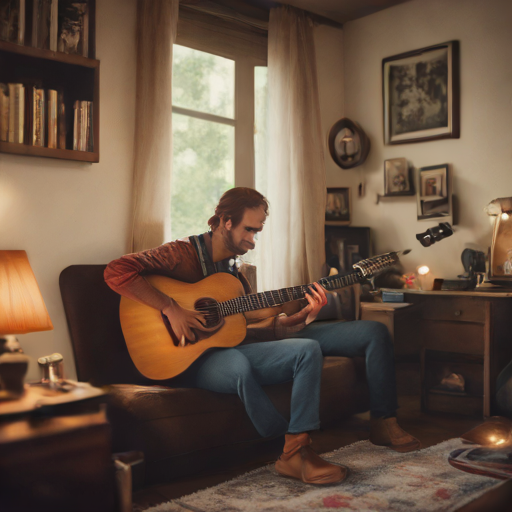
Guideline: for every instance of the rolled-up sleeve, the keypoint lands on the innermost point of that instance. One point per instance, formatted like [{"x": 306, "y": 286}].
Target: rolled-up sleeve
[{"x": 125, "y": 275}]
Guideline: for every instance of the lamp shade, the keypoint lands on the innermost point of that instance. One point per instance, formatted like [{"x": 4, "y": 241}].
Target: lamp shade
[{"x": 22, "y": 307}]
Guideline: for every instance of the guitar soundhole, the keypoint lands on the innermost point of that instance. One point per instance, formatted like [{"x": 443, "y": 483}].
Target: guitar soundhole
[{"x": 210, "y": 309}]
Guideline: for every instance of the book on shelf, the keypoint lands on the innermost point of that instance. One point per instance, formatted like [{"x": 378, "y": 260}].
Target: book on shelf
[
  {"x": 61, "y": 121},
  {"x": 4, "y": 113},
  {"x": 83, "y": 125},
  {"x": 36, "y": 116},
  {"x": 90, "y": 126},
  {"x": 16, "y": 113},
  {"x": 83, "y": 139},
  {"x": 73, "y": 27},
  {"x": 12, "y": 21},
  {"x": 51, "y": 110},
  {"x": 45, "y": 24},
  {"x": 76, "y": 124}
]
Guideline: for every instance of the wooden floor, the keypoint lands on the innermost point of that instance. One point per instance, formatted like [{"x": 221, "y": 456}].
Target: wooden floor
[{"x": 429, "y": 428}]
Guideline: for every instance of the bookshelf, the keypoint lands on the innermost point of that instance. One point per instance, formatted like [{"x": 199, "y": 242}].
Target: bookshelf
[{"x": 76, "y": 76}]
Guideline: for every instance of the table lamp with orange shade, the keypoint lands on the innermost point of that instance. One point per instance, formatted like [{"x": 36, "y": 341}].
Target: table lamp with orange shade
[{"x": 22, "y": 310}]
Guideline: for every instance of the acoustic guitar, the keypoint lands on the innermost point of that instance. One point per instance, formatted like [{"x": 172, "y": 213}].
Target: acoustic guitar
[{"x": 156, "y": 351}]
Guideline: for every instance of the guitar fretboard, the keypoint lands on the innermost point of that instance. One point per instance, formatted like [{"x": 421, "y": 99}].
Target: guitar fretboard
[
  {"x": 272, "y": 298},
  {"x": 277, "y": 297}
]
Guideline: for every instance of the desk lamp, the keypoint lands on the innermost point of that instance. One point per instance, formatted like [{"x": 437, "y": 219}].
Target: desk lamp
[
  {"x": 422, "y": 273},
  {"x": 22, "y": 310}
]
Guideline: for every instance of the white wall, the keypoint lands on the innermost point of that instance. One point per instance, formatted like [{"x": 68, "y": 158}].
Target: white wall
[
  {"x": 65, "y": 213},
  {"x": 481, "y": 159}
]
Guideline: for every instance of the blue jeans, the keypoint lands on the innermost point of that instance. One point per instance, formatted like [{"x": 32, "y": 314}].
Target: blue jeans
[
  {"x": 368, "y": 339},
  {"x": 245, "y": 369}
]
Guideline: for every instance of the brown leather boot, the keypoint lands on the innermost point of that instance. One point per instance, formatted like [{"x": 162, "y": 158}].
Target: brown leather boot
[
  {"x": 387, "y": 432},
  {"x": 298, "y": 460}
]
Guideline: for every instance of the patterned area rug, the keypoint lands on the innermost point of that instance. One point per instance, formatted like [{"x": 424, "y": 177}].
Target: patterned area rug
[{"x": 379, "y": 479}]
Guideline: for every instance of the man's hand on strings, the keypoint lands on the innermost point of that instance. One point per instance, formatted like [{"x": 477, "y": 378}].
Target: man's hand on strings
[
  {"x": 317, "y": 300},
  {"x": 183, "y": 321}
]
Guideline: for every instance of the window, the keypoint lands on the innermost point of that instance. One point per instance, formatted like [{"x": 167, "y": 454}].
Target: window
[
  {"x": 214, "y": 130},
  {"x": 203, "y": 137}
]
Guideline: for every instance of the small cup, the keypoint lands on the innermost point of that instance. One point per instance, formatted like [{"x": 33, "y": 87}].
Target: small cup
[{"x": 52, "y": 368}]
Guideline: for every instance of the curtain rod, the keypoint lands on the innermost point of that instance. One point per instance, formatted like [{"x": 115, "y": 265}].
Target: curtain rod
[
  {"x": 221, "y": 11},
  {"x": 225, "y": 12}
]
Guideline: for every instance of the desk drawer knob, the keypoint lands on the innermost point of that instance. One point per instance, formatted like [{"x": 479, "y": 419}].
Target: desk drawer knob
[{"x": 458, "y": 313}]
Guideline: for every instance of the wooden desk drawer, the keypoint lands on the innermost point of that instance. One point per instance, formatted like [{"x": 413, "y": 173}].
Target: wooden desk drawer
[
  {"x": 458, "y": 309},
  {"x": 465, "y": 338}
]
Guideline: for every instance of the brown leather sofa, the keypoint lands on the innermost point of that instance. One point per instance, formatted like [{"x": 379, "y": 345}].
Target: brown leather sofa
[{"x": 180, "y": 431}]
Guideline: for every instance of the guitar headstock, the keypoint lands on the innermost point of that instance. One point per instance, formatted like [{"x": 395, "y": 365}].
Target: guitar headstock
[{"x": 372, "y": 266}]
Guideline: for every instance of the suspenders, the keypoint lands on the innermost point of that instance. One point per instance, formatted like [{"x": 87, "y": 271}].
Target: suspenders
[{"x": 207, "y": 264}]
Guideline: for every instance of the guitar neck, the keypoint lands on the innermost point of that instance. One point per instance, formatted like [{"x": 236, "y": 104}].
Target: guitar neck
[
  {"x": 254, "y": 301},
  {"x": 271, "y": 298}
]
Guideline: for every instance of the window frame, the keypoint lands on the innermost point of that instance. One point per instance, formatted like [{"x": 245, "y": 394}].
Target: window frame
[{"x": 247, "y": 48}]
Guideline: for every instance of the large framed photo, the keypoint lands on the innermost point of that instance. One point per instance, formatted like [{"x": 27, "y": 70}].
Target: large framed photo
[
  {"x": 421, "y": 94},
  {"x": 397, "y": 178},
  {"x": 434, "y": 195},
  {"x": 337, "y": 209}
]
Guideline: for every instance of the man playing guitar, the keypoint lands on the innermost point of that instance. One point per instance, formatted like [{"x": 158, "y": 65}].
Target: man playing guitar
[{"x": 276, "y": 349}]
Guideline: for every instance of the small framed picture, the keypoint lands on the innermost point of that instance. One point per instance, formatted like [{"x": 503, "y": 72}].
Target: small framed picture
[
  {"x": 434, "y": 196},
  {"x": 337, "y": 209},
  {"x": 397, "y": 178},
  {"x": 345, "y": 246},
  {"x": 421, "y": 94}
]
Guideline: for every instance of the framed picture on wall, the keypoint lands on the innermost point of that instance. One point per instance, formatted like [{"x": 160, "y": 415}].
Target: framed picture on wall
[
  {"x": 337, "y": 209},
  {"x": 397, "y": 178},
  {"x": 421, "y": 94},
  {"x": 434, "y": 197}
]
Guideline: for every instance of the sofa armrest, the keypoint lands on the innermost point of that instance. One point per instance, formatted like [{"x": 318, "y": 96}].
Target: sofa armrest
[{"x": 342, "y": 304}]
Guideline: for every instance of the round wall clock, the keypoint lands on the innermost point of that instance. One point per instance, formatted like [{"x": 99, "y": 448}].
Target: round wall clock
[{"x": 348, "y": 144}]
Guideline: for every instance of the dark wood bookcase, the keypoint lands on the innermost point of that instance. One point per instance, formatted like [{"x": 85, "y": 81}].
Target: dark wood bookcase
[{"x": 76, "y": 76}]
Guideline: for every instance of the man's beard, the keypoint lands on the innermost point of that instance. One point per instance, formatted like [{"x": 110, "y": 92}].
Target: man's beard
[{"x": 227, "y": 237}]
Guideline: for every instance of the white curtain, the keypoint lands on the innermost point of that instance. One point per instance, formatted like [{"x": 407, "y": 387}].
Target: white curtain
[
  {"x": 292, "y": 243},
  {"x": 156, "y": 32}
]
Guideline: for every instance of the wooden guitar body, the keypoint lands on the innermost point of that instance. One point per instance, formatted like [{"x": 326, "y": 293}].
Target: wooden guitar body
[{"x": 151, "y": 347}]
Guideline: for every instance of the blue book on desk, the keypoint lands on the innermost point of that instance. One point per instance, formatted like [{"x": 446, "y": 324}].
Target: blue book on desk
[{"x": 392, "y": 296}]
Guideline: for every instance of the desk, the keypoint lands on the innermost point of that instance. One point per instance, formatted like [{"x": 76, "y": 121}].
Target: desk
[{"x": 453, "y": 331}]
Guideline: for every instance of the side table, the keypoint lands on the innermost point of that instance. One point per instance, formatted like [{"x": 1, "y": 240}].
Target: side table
[
  {"x": 55, "y": 456},
  {"x": 388, "y": 313},
  {"x": 401, "y": 319}
]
